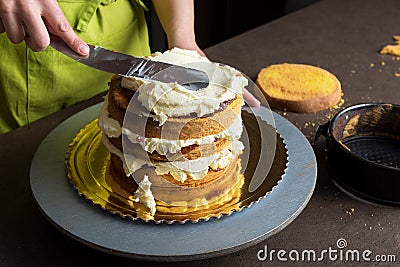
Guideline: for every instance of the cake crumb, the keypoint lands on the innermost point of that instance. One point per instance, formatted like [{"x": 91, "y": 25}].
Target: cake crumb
[
  {"x": 338, "y": 105},
  {"x": 394, "y": 49},
  {"x": 350, "y": 211}
]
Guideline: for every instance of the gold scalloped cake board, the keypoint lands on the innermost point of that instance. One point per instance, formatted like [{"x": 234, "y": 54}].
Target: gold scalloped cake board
[{"x": 87, "y": 163}]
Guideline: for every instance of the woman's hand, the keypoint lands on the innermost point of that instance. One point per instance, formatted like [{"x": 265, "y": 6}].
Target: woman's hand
[
  {"x": 38, "y": 18},
  {"x": 250, "y": 99}
]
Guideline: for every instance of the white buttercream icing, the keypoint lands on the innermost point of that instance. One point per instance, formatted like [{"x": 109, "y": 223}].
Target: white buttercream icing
[
  {"x": 144, "y": 195},
  {"x": 163, "y": 146},
  {"x": 171, "y": 99},
  {"x": 237, "y": 146},
  {"x": 197, "y": 169},
  {"x": 130, "y": 162}
]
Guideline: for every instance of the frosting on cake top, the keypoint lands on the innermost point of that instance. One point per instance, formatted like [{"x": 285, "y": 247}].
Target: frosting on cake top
[{"x": 166, "y": 100}]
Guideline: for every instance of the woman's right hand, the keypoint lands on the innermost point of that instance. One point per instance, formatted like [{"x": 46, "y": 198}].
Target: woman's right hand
[{"x": 38, "y": 17}]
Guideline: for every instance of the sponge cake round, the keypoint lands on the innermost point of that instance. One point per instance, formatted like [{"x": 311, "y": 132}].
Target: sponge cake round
[{"x": 298, "y": 87}]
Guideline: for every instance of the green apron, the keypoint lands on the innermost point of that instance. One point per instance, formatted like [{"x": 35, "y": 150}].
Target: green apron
[{"x": 36, "y": 84}]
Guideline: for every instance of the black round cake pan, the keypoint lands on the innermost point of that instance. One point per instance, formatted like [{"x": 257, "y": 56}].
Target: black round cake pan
[{"x": 363, "y": 151}]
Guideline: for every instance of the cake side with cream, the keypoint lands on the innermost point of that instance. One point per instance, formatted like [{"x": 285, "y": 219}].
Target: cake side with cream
[{"x": 176, "y": 149}]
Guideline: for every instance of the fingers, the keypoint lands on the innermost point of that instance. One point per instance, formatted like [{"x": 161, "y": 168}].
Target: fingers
[
  {"x": 58, "y": 24},
  {"x": 38, "y": 38},
  {"x": 13, "y": 27},
  {"x": 250, "y": 99},
  {"x": 20, "y": 17},
  {"x": 37, "y": 17}
]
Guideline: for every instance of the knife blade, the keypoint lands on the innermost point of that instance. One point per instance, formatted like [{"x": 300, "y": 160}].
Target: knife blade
[{"x": 126, "y": 65}]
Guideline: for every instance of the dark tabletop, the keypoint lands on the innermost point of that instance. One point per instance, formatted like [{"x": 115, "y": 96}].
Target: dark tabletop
[{"x": 342, "y": 36}]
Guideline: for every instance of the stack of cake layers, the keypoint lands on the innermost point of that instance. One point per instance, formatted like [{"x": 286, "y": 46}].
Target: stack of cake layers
[{"x": 175, "y": 149}]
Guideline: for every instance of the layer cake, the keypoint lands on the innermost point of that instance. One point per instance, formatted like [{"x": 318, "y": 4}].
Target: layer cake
[{"x": 176, "y": 150}]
